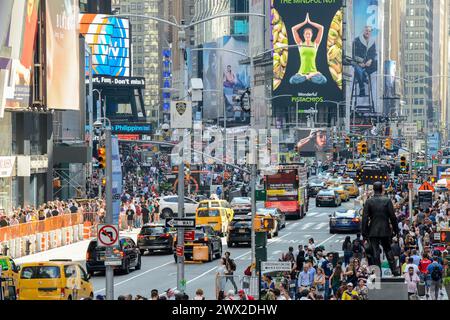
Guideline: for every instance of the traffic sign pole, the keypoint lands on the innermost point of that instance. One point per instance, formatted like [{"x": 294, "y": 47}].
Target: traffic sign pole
[
  {"x": 109, "y": 271},
  {"x": 180, "y": 231}
]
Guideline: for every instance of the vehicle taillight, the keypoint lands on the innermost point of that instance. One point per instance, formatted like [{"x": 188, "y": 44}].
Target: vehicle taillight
[
  {"x": 88, "y": 255},
  {"x": 63, "y": 292},
  {"x": 206, "y": 239},
  {"x": 17, "y": 292},
  {"x": 356, "y": 220},
  {"x": 121, "y": 254},
  {"x": 140, "y": 236},
  {"x": 165, "y": 236}
]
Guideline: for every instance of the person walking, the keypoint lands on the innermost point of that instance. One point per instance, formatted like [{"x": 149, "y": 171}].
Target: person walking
[
  {"x": 230, "y": 269},
  {"x": 347, "y": 247},
  {"x": 130, "y": 217},
  {"x": 220, "y": 276},
  {"x": 327, "y": 268},
  {"x": 378, "y": 224},
  {"x": 435, "y": 271},
  {"x": 411, "y": 280}
]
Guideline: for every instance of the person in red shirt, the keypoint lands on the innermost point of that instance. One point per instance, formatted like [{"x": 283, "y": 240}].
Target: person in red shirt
[
  {"x": 424, "y": 276},
  {"x": 244, "y": 296}
]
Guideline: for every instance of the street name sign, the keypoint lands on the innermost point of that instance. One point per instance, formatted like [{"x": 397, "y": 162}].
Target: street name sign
[
  {"x": 409, "y": 130},
  {"x": 180, "y": 223},
  {"x": 275, "y": 266}
]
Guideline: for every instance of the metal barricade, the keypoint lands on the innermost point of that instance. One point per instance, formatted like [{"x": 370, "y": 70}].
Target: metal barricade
[{"x": 232, "y": 282}]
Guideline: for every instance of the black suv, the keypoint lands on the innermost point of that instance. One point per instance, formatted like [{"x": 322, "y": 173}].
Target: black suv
[
  {"x": 239, "y": 231},
  {"x": 155, "y": 237},
  {"x": 127, "y": 251}
]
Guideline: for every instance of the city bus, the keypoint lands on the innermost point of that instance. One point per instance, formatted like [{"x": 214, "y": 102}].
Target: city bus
[{"x": 287, "y": 190}]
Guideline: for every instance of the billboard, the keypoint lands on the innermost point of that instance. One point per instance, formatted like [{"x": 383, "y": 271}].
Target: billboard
[
  {"x": 224, "y": 78},
  {"x": 313, "y": 140},
  {"x": 235, "y": 77},
  {"x": 63, "y": 63},
  {"x": 18, "y": 27},
  {"x": 433, "y": 143},
  {"x": 365, "y": 47},
  {"x": 109, "y": 38},
  {"x": 312, "y": 71}
]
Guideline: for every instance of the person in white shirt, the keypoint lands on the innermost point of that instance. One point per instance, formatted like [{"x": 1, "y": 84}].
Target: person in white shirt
[
  {"x": 411, "y": 279},
  {"x": 411, "y": 264}
]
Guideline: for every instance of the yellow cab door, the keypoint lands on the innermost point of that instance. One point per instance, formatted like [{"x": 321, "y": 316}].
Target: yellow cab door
[
  {"x": 41, "y": 282},
  {"x": 86, "y": 290}
]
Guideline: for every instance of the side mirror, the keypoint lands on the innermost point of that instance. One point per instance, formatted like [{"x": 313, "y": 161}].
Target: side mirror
[
  {"x": 17, "y": 269},
  {"x": 88, "y": 277}
]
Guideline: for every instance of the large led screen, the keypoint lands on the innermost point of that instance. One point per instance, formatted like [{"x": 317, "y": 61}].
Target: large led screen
[{"x": 109, "y": 38}]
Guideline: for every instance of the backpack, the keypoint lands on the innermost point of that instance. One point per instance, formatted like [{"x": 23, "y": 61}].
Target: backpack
[
  {"x": 232, "y": 265},
  {"x": 436, "y": 274}
]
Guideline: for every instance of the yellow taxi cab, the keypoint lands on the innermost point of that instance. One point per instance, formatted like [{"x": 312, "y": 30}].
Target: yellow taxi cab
[
  {"x": 343, "y": 193},
  {"x": 10, "y": 273},
  {"x": 333, "y": 181},
  {"x": 54, "y": 280},
  {"x": 351, "y": 187},
  {"x": 217, "y": 213}
]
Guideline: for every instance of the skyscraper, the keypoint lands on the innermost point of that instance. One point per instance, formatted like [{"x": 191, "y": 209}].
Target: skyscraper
[{"x": 418, "y": 59}]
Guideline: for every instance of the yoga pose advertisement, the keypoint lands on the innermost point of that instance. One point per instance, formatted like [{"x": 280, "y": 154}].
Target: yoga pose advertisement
[{"x": 311, "y": 68}]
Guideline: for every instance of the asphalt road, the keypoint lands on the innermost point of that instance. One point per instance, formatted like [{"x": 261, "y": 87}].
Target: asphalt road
[{"x": 159, "y": 271}]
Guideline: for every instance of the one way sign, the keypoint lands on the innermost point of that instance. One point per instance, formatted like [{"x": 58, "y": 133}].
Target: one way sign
[{"x": 180, "y": 223}]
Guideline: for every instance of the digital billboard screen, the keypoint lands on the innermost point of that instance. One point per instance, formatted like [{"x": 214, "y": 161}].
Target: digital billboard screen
[
  {"x": 313, "y": 140},
  {"x": 109, "y": 38},
  {"x": 18, "y": 27},
  {"x": 365, "y": 47},
  {"x": 311, "y": 68},
  {"x": 62, "y": 55}
]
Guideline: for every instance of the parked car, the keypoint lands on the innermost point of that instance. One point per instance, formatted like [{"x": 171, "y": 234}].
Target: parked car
[
  {"x": 239, "y": 230},
  {"x": 241, "y": 205},
  {"x": 127, "y": 251},
  {"x": 54, "y": 280},
  {"x": 328, "y": 198},
  {"x": 168, "y": 206},
  {"x": 155, "y": 237},
  {"x": 345, "y": 220},
  {"x": 205, "y": 237}
]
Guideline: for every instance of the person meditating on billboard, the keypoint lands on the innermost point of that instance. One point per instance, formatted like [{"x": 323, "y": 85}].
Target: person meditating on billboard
[{"x": 308, "y": 53}]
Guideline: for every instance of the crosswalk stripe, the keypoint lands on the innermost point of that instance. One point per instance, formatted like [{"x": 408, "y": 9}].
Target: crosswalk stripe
[
  {"x": 323, "y": 214},
  {"x": 321, "y": 226},
  {"x": 312, "y": 214},
  {"x": 307, "y": 225}
]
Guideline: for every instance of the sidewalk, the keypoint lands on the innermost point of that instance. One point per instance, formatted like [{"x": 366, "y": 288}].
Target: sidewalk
[{"x": 75, "y": 251}]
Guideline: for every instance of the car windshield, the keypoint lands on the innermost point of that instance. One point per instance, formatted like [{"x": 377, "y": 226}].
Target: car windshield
[
  {"x": 40, "y": 272},
  {"x": 153, "y": 230},
  {"x": 241, "y": 223},
  {"x": 208, "y": 213}
]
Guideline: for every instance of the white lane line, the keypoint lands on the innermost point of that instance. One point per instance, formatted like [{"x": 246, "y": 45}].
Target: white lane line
[
  {"x": 326, "y": 240},
  {"x": 136, "y": 276},
  {"x": 323, "y": 214}
]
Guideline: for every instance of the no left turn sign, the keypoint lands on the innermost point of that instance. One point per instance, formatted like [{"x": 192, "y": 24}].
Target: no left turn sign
[{"x": 107, "y": 235}]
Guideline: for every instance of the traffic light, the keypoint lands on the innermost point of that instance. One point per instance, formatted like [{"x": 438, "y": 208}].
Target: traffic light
[
  {"x": 347, "y": 141},
  {"x": 103, "y": 181},
  {"x": 360, "y": 147},
  {"x": 388, "y": 144},
  {"x": 364, "y": 148},
  {"x": 403, "y": 163},
  {"x": 101, "y": 158}
]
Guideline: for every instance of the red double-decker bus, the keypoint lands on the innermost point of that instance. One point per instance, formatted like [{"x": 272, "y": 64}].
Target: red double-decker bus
[{"x": 287, "y": 191}]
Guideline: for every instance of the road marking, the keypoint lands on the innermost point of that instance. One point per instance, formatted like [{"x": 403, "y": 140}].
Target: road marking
[
  {"x": 136, "y": 276},
  {"x": 307, "y": 225},
  {"x": 323, "y": 214},
  {"x": 321, "y": 226},
  {"x": 326, "y": 240},
  {"x": 312, "y": 214}
]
